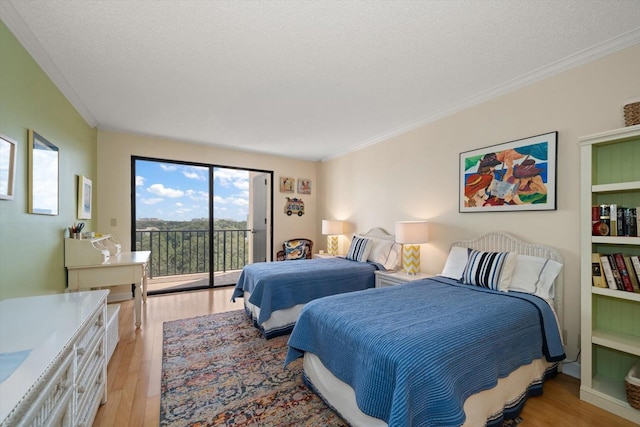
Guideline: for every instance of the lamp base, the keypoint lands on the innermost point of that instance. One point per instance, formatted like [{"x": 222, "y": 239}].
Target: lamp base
[
  {"x": 411, "y": 259},
  {"x": 332, "y": 245}
]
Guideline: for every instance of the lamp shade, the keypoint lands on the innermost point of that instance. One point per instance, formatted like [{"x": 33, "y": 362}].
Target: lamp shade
[
  {"x": 332, "y": 227},
  {"x": 412, "y": 232}
]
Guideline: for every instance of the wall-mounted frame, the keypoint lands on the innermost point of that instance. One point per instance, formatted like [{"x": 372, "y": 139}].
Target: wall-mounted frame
[
  {"x": 85, "y": 189},
  {"x": 512, "y": 176},
  {"x": 287, "y": 184},
  {"x": 8, "y": 154},
  {"x": 43, "y": 175},
  {"x": 304, "y": 186}
]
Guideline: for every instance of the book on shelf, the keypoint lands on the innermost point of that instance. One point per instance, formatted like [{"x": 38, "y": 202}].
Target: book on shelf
[
  {"x": 613, "y": 225},
  {"x": 635, "y": 261},
  {"x": 608, "y": 272},
  {"x": 616, "y": 273},
  {"x": 596, "y": 272},
  {"x": 624, "y": 274},
  {"x": 632, "y": 274},
  {"x": 630, "y": 222}
]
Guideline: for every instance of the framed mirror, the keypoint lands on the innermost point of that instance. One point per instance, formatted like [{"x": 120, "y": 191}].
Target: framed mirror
[
  {"x": 43, "y": 175},
  {"x": 8, "y": 152}
]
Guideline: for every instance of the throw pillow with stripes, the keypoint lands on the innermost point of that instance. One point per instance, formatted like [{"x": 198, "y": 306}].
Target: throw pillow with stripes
[
  {"x": 491, "y": 270},
  {"x": 359, "y": 249}
]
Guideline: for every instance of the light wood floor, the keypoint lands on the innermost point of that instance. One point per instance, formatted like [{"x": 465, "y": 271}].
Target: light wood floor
[{"x": 134, "y": 370}]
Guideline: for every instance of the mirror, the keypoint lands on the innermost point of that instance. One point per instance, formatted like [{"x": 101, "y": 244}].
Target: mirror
[
  {"x": 7, "y": 167},
  {"x": 43, "y": 175}
]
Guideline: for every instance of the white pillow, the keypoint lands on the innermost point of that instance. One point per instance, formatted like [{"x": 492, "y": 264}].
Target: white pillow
[
  {"x": 535, "y": 275},
  {"x": 380, "y": 249},
  {"x": 456, "y": 262},
  {"x": 395, "y": 257}
]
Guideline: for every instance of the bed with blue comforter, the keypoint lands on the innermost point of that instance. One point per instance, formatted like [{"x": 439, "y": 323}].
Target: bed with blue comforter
[
  {"x": 275, "y": 292},
  {"x": 426, "y": 347}
]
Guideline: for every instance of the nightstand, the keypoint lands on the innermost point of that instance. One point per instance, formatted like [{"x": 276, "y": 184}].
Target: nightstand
[
  {"x": 392, "y": 278},
  {"x": 324, "y": 255}
]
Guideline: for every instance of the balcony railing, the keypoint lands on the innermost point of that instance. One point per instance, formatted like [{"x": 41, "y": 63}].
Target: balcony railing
[{"x": 175, "y": 252}]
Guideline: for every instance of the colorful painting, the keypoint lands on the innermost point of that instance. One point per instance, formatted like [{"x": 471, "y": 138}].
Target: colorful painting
[
  {"x": 513, "y": 176},
  {"x": 304, "y": 186}
]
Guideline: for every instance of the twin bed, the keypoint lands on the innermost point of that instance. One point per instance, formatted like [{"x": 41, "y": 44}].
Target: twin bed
[
  {"x": 274, "y": 293},
  {"x": 437, "y": 352}
]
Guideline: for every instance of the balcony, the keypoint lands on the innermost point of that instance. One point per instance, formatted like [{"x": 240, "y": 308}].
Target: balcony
[{"x": 180, "y": 259}]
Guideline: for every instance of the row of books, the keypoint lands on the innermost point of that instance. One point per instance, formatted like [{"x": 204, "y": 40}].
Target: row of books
[
  {"x": 620, "y": 221},
  {"x": 616, "y": 271}
]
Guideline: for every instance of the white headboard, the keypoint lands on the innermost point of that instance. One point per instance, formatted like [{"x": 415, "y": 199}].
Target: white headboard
[
  {"x": 505, "y": 242},
  {"x": 396, "y": 249}
]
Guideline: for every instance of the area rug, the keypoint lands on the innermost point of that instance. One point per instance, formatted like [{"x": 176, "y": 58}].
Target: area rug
[{"x": 217, "y": 370}]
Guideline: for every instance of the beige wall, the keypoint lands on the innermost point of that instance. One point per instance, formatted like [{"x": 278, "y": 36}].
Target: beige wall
[
  {"x": 114, "y": 181},
  {"x": 415, "y": 175}
]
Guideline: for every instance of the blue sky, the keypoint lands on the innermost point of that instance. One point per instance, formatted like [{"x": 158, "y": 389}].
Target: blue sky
[{"x": 176, "y": 192}]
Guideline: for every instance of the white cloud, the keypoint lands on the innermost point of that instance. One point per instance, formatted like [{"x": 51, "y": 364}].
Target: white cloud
[
  {"x": 195, "y": 172},
  {"x": 152, "y": 201},
  {"x": 139, "y": 181},
  {"x": 168, "y": 167},
  {"x": 161, "y": 190},
  {"x": 178, "y": 204}
]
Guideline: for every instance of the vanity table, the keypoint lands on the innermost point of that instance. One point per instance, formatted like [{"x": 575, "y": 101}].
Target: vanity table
[
  {"x": 52, "y": 355},
  {"x": 98, "y": 262}
]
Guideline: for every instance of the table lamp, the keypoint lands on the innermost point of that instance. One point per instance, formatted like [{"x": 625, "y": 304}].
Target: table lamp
[
  {"x": 411, "y": 234},
  {"x": 332, "y": 228}
]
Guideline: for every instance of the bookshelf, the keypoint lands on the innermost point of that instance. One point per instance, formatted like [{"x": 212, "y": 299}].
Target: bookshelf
[{"x": 610, "y": 319}]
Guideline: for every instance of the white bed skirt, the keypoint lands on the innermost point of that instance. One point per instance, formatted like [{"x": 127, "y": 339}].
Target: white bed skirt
[
  {"x": 279, "y": 320},
  {"x": 478, "y": 408}
]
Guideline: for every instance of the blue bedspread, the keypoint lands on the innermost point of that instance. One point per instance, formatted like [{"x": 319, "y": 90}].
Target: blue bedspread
[
  {"x": 413, "y": 353},
  {"x": 279, "y": 285}
]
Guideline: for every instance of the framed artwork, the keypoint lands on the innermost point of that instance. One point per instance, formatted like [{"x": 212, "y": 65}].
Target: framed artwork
[
  {"x": 512, "y": 176},
  {"x": 84, "y": 197},
  {"x": 8, "y": 152},
  {"x": 304, "y": 186},
  {"x": 44, "y": 158},
  {"x": 287, "y": 184}
]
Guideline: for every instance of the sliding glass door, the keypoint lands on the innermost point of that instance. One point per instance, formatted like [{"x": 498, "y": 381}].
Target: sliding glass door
[{"x": 198, "y": 221}]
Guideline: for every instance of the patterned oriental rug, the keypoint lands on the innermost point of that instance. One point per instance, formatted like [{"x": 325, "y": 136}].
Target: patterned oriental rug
[{"x": 217, "y": 370}]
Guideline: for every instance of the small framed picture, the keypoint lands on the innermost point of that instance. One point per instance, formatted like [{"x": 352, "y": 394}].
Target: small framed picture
[
  {"x": 304, "y": 186},
  {"x": 287, "y": 184},
  {"x": 7, "y": 167},
  {"x": 84, "y": 197}
]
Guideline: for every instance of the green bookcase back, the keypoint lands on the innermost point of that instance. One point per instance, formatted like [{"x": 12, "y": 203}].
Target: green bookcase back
[{"x": 616, "y": 162}]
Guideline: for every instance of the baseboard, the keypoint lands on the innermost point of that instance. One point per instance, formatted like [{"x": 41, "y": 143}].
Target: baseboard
[
  {"x": 572, "y": 369},
  {"x": 124, "y": 296}
]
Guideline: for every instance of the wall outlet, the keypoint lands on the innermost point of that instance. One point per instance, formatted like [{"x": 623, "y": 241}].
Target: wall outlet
[{"x": 114, "y": 222}]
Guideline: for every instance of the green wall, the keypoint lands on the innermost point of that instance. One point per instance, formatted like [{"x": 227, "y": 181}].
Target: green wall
[{"x": 32, "y": 246}]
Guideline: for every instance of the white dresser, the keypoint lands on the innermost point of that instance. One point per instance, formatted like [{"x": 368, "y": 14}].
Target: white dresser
[{"x": 61, "y": 378}]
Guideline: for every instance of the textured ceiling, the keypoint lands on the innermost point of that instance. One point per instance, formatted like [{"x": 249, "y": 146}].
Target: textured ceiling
[{"x": 304, "y": 79}]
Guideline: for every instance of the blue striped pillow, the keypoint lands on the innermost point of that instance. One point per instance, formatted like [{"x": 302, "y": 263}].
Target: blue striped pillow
[
  {"x": 491, "y": 270},
  {"x": 359, "y": 249}
]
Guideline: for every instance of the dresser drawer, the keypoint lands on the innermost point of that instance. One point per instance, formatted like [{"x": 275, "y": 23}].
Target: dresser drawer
[
  {"x": 92, "y": 332},
  {"x": 52, "y": 405}
]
